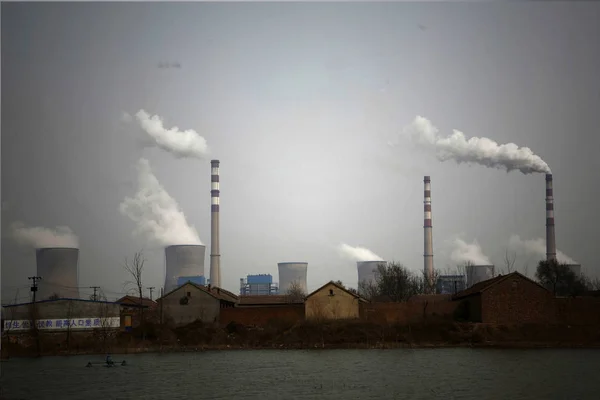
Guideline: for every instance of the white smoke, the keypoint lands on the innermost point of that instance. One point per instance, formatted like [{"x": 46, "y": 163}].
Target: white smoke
[
  {"x": 468, "y": 252},
  {"x": 182, "y": 144},
  {"x": 40, "y": 237},
  {"x": 357, "y": 253},
  {"x": 536, "y": 247},
  {"x": 156, "y": 213},
  {"x": 482, "y": 151}
]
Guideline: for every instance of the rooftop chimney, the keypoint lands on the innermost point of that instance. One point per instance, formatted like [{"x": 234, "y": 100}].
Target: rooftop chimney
[
  {"x": 428, "y": 250},
  {"x": 550, "y": 238},
  {"x": 215, "y": 256}
]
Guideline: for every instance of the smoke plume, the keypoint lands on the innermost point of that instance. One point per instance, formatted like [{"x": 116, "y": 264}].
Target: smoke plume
[
  {"x": 482, "y": 151},
  {"x": 182, "y": 144},
  {"x": 156, "y": 213},
  {"x": 40, "y": 237},
  {"x": 537, "y": 247},
  {"x": 468, "y": 252},
  {"x": 357, "y": 253}
]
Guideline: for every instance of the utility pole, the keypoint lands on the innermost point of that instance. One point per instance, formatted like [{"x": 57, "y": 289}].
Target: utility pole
[
  {"x": 34, "y": 289},
  {"x": 151, "y": 289},
  {"x": 95, "y": 289}
]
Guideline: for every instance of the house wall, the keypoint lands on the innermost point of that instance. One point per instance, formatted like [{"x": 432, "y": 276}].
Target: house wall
[
  {"x": 201, "y": 306},
  {"x": 516, "y": 301},
  {"x": 63, "y": 309},
  {"x": 263, "y": 314},
  {"x": 341, "y": 305},
  {"x": 409, "y": 312}
]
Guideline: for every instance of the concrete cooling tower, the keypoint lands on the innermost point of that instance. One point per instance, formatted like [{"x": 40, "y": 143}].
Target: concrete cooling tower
[
  {"x": 59, "y": 270},
  {"x": 290, "y": 272},
  {"x": 183, "y": 260},
  {"x": 368, "y": 271},
  {"x": 478, "y": 273}
]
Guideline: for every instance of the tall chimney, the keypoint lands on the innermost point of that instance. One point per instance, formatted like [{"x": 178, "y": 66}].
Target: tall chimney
[
  {"x": 215, "y": 256},
  {"x": 428, "y": 253},
  {"x": 550, "y": 238}
]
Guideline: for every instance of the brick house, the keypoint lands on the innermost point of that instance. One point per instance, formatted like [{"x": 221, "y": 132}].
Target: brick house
[
  {"x": 332, "y": 301},
  {"x": 506, "y": 299},
  {"x": 259, "y": 310},
  {"x": 130, "y": 311},
  {"x": 191, "y": 302}
]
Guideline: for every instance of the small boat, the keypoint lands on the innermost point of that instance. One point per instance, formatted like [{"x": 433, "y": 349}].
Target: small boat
[{"x": 107, "y": 364}]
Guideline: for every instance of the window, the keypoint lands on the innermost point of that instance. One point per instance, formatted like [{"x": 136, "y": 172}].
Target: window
[
  {"x": 331, "y": 292},
  {"x": 514, "y": 284},
  {"x": 189, "y": 294}
]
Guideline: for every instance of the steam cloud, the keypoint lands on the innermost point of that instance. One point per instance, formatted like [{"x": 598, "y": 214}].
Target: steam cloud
[
  {"x": 357, "y": 253},
  {"x": 482, "y": 151},
  {"x": 182, "y": 144},
  {"x": 537, "y": 247},
  {"x": 156, "y": 213},
  {"x": 40, "y": 237},
  {"x": 468, "y": 252}
]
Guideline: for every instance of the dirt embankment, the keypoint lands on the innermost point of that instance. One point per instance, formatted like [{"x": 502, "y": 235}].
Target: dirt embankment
[{"x": 306, "y": 335}]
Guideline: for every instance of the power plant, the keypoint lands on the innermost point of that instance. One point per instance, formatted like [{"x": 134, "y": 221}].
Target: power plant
[
  {"x": 183, "y": 261},
  {"x": 290, "y": 273},
  {"x": 428, "y": 228},
  {"x": 215, "y": 255},
  {"x": 258, "y": 285},
  {"x": 368, "y": 271},
  {"x": 478, "y": 273},
  {"x": 59, "y": 269},
  {"x": 550, "y": 237}
]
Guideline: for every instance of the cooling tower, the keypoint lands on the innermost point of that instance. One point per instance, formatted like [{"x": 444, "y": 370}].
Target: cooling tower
[
  {"x": 59, "y": 270},
  {"x": 368, "y": 271},
  {"x": 215, "y": 255},
  {"x": 183, "y": 260},
  {"x": 428, "y": 228},
  {"x": 290, "y": 272},
  {"x": 478, "y": 273},
  {"x": 550, "y": 238}
]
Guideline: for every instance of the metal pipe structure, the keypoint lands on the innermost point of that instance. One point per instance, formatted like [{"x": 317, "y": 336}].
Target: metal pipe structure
[
  {"x": 428, "y": 228},
  {"x": 59, "y": 269},
  {"x": 215, "y": 256},
  {"x": 550, "y": 237}
]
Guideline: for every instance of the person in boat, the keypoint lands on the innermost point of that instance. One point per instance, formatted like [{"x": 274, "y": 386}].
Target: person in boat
[{"x": 109, "y": 360}]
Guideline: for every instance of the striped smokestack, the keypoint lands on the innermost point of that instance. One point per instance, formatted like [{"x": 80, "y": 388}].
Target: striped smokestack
[
  {"x": 428, "y": 251},
  {"x": 215, "y": 256},
  {"x": 550, "y": 238}
]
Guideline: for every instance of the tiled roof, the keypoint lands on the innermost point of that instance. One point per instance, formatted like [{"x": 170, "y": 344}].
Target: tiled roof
[
  {"x": 484, "y": 285},
  {"x": 146, "y": 302},
  {"x": 266, "y": 299},
  {"x": 337, "y": 286},
  {"x": 220, "y": 294}
]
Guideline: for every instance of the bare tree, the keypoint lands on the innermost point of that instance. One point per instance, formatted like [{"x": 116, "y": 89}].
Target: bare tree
[
  {"x": 135, "y": 268},
  {"x": 11, "y": 311},
  {"x": 54, "y": 296},
  {"x": 509, "y": 261},
  {"x": 105, "y": 330},
  {"x": 295, "y": 292},
  {"x": 368, "y": 290}
]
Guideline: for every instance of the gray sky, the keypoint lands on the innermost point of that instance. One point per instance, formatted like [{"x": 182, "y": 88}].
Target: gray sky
[{"x": 298, "y": 101}]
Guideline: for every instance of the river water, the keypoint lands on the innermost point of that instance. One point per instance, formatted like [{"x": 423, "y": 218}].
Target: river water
[{"x": 315, "y": 374}]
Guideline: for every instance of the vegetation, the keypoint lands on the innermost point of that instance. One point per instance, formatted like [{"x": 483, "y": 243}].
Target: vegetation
[
  {"x": 295, "y": 292},
  {"x": 395, "y": 283},
  {"x": 559, "y": 278},
  {"x": 135, "y": 269}
]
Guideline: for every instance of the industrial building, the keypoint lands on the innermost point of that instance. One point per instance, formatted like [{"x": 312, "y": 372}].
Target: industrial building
[
  {"x": 292, "y": 273},
  {"x": 183, "y": 261},
  {"x": 368, "y": 272},
  {"x": 478, "y": 273},
  {"x": 450, "y": 284},
  {"x": 428, "y": 233},
  {"x": 258, "y": 285},
  {"x": 215, "y": 250},
  {"x": 59, "y": 269}
]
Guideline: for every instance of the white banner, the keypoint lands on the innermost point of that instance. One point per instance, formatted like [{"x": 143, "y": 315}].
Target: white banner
[{"x": 63, "y": 324}]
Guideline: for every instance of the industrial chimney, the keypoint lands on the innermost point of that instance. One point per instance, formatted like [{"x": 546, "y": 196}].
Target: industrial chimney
[
  {"x": 428, "y": 250},
  {"x": 59, "y": 269},
  {"x": 215, "y": 256},
  {"x": 550, "y": 238}
]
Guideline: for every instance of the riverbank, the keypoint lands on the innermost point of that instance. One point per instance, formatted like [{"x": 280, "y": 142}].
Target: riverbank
[{"x": 307, "y": 336}]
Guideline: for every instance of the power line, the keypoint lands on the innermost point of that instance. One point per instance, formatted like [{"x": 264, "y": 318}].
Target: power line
[{"x": 95, "y": 289}]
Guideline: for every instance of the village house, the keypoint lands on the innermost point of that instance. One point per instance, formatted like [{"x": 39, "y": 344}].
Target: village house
[
  {"x": 130, "y": 311},
  {"x": 332, "y": 301},
  {"x": 263, "y": 309},
  {"x": 506, "y": 299},
  {"x": 192, "y": 302}
]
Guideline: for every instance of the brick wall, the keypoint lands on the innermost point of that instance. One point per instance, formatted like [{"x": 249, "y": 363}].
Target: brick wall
[
  {"x": 261, "y": 316},
  {"x": 578, "y": 311},
  {"x": 409, "y": 312},
  {"x": 516, "y": 301}
]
